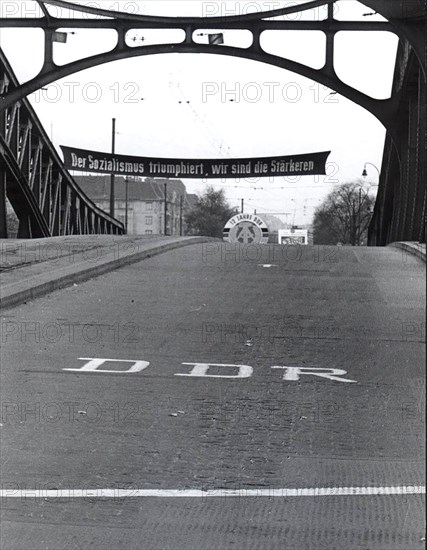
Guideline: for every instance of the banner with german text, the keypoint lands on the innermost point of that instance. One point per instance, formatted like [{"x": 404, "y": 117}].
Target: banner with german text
[{"x": 82, "y": 160}]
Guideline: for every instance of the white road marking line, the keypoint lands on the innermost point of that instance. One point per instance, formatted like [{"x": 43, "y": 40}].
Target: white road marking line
[{"x": 198, "y": 493}]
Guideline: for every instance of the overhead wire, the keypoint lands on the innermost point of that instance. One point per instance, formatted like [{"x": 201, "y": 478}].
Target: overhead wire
[{"x": 202, "y": 126}]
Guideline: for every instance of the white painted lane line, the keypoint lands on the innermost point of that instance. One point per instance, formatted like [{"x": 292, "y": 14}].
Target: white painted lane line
[{"x": 198, "y": 493}]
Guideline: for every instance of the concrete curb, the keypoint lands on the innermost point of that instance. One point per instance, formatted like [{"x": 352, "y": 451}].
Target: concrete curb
[
  {"x": 414, "y": 248},
  {"x": 28, "y": 289}
]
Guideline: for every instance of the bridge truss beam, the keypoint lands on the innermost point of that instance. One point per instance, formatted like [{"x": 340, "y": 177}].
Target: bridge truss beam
[
  {"x": 404, "y": 18},
  {"x": 44, "y": 196},
  {"x": 255, "y": 23}
]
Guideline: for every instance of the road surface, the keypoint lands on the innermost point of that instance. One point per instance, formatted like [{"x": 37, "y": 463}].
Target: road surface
[{"x": 219, "y": 397}]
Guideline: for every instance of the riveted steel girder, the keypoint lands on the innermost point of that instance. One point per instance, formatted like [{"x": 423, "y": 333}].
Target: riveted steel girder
[
  {"x": 409, "y": 18},
  {"x": 256, "y": 23},
  {"x": 65, "y": 210},
  {"x": 44, "y": 196}
]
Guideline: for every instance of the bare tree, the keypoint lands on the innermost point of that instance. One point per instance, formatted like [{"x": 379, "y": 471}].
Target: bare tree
[
  {"x": 344, "y": 216},
  {"x": 12, "y": 224}
]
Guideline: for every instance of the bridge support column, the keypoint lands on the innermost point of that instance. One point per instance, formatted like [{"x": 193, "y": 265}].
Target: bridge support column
[
  {"x": 3, "y": 212},
  {"x": 24, "y": 229},
  {"x": 401, "y": 203}
]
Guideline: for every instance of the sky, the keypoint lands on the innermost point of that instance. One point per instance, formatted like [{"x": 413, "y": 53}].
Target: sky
[{"x": 213, "y": 106}]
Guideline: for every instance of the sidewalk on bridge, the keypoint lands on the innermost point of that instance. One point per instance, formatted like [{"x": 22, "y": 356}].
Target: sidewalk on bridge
[
  {"x": 34, "y": 267},
  {"x": 412, "y": 247}
]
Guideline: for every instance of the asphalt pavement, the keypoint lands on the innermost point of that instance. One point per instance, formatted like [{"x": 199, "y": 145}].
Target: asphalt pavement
[{"x": 219, "y": 397}]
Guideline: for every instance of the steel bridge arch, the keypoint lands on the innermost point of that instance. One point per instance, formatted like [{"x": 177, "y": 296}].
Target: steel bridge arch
[
  {"x": 383, "y": 109},
  {"x": 401, "y": 203}
]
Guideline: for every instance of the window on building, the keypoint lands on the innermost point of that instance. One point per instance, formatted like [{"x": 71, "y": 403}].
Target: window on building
[
  {"x": 148, "y": 220},
  {"x": 148, "y": 232},
  {"x": 149, "y": 206}
]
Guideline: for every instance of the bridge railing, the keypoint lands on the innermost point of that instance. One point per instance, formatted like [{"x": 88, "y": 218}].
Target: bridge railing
[{"x": 43, "y": 194}]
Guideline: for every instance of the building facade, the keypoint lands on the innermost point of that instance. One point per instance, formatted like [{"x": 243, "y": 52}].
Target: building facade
[{"x": 140, "y": 203}]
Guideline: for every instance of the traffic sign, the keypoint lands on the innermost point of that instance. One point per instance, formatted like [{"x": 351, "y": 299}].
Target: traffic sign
[{"x": 246, "y": 229}]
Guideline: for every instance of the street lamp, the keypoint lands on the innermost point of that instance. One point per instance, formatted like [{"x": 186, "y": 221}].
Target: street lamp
[
  {"x": 166, "y": 209},
  {"x": 365, "y": 173},
  {"x": 126, "y": 203},
  {"x": 112, "y": 176}
]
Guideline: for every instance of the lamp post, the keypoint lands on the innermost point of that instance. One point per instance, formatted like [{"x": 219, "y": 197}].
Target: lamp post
[
  {"x": 359, "y": 217},
  {"x": 365, "y": 172},
  {"x": 181, "y": 205},
  {"x": 166, "y": 209},
  {"x": 126, "y": 203},
  {"x": 113, "y": 150}
]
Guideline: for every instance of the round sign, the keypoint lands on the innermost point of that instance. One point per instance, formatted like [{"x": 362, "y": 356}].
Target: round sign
[{"x": 246, "y": 229}]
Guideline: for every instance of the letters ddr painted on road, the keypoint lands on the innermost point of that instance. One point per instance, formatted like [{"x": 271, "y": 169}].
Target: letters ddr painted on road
[
  {"x": 245, "y": 229},
  {"x": 201, "y": 370},
  {"x": 83, "y": 160}
]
